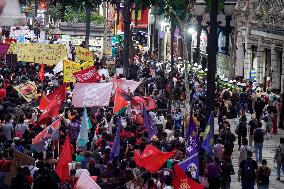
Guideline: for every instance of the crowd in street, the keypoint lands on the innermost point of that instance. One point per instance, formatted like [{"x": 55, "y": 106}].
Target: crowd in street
[{"x": 19, "y": 126}]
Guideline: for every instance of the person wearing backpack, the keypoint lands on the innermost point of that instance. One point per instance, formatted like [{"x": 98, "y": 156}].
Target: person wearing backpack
[
  {"x": 227, "y": 170},
  {"x": 253, "y": 124},
  {"x": 247, "y": 172},
  {"x": 241, "y": 130},
  {"x": 258, "y": 143},
  {"x": 279, "y": 158},
  {"x": 262, "y": 175}
]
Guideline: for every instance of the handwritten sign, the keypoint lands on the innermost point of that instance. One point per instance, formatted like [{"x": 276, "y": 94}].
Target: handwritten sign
[
  {"x": 27, "y": 90},
  {"x": 84, "y": 54},
  {"x": 3, "y": 49},
  {"x": 70, "y": 67},
  {"x": 49, "y": 54}
]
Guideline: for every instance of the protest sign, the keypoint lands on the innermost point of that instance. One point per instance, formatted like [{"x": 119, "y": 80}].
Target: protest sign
[
  {"x": 84, "y": 54},
  {"x": 89, "y": 75},
  {"x": 3, "y": 49},
  {"x": 27, "y": 90},
  {"x": 92, "y": 94},
  {"x": 70, "y": 67},
  {"x": 49, "y": 54}
]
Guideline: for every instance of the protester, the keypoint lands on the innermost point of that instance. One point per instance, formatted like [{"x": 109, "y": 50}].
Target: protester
[
  {"x": 247, "y": 172},
  {"x": 243, "y": 150},
  {"x": 262, "y": 175},
  {"x": 213, "y": 174},
  {"x": 279, "y": 158},
  {"x": 253, "y": 124},
  {"x": 258, "y": 143}
]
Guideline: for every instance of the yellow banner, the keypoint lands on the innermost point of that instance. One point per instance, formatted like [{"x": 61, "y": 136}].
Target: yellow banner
[
  {"x": 84, "y": 54},
  {"x": 86, "y": 65},
  {"x": 27, "y": 90},
  {"x": 69, "y": 68},
  {"x": 49, "y": 54}
]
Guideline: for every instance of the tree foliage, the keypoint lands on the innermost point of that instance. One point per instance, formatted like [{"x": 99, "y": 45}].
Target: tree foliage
[{"x": 73, "y": 13}]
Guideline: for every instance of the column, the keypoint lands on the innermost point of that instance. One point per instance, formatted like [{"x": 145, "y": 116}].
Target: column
[
  {"x": 275, "y": 76},
  {"x": 239, "y": 56},
  {"x": 247, "y": 62},
  {"x": 260, "y": 62}
]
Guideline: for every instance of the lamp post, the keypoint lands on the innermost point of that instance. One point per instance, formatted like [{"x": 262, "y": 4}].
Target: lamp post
[{"x": 199, "y": 9}]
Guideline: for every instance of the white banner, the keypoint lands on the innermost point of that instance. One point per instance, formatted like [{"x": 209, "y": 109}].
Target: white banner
[{"x": 92, "y": 94}]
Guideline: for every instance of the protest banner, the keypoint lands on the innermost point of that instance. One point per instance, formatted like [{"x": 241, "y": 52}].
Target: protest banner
[
  {"x": 89, "y": 75},
  {"x": 3, "y": 49},
  {"x": 49, "y": 54},
  {"x": 84, "y": 54},
  {"x": 27, "y": 90},
  {"x": 70, "y": 67},
  {"x": 92, "y": 94},
  {"x": 86, "y": 65},
  {"x": 19, "y": 159}
]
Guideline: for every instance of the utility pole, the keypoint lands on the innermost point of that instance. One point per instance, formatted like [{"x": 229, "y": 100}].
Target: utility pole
[{"x": 212, "y": 51}]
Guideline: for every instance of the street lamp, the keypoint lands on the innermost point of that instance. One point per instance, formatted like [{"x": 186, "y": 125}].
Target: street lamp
[
  {"x": 199, "y": 9},
  {"x": 191, "y": 31}
]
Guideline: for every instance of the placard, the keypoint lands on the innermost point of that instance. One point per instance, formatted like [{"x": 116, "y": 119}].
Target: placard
[{"x": 49, "y": 54}]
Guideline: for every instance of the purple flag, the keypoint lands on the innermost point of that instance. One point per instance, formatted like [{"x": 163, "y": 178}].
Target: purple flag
[
  {"x": 192, "y": 143},
  {"x": 191, "y": 165},
  {"x": 116, "y": 145},
  {"x": 149, "y": 125},
  {"x": 191, "y": 130}
]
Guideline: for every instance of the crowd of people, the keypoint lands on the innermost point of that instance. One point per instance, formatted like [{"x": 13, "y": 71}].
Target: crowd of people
[{"x": 19, "y": 126}]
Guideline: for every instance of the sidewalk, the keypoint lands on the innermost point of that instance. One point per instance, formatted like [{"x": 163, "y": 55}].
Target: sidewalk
[{"x": 267, "y": 153}]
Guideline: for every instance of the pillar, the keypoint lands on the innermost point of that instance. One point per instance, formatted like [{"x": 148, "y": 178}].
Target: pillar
[
  {"x": 247, "y": 62},
  {"x": 260, "y": 63},
  {"x": 239, "y": 56},
  {"x": 275, "y": 76}
]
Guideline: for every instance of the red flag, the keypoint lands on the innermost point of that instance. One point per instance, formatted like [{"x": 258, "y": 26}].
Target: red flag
[
  {"x": 152, "y": 158},
  {"x": 51, "y": 111},
  {"x": 45, "y": 133},
  {"x": 120, "y": 104},
  {"x": 43, "y": 104},
  {"x": 183, "y": 181},
  {"x": 139, "y": 103},
  {"x": 41, "y": 73},
  {"x": 89, "y": 75},
  {"x": 59, "y": 94},
  {"x": 62, "y": 168}
]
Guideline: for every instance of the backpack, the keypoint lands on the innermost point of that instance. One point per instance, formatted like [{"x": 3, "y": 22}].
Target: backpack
[
  {"x": 248, "y": 172},
  {"x": 258, "y": 135},
  {"x": 263, "y": 176}
]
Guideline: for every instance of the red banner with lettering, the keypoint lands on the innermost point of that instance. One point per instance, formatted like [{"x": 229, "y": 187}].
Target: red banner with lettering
[{"x": 89, "y": 75}]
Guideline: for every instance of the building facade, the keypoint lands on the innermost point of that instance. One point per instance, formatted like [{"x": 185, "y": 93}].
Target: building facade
[{"x": 259, "y": 44}]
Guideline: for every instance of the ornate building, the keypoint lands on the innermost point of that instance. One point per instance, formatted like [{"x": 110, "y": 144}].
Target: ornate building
[{"x": 260, "y": 40}]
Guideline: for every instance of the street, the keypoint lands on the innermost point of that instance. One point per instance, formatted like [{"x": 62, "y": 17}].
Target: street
[{"x": 268, "y": 154}]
